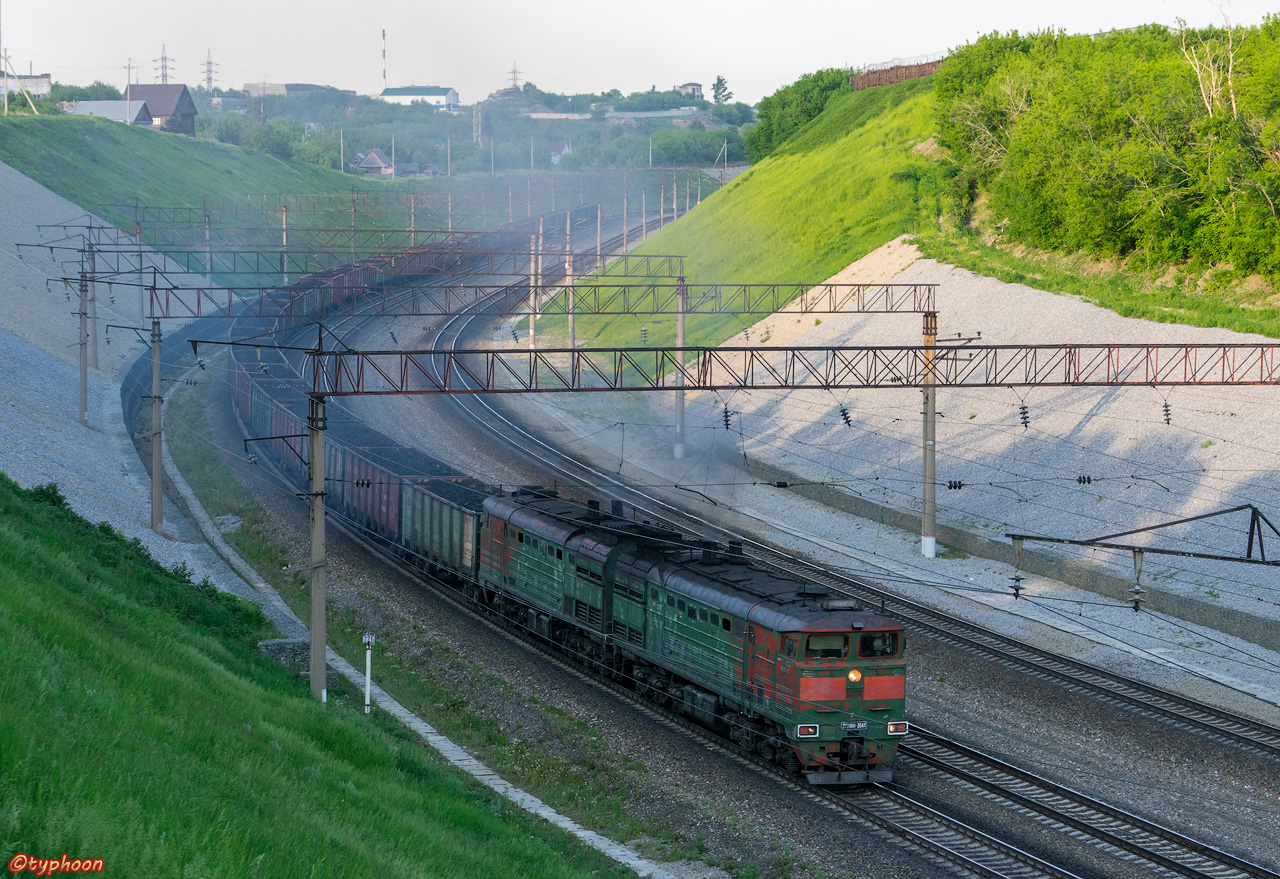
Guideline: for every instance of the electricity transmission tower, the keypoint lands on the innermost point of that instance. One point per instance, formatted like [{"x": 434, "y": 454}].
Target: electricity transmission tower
[
  {"x": 209, "y": 67},
  {"x": 163, "y": 61}
]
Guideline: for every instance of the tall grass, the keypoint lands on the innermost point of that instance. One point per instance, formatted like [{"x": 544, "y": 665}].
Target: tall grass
[
  {"x": 140, "y": 725},
  {"x": 843, "y": 186}
]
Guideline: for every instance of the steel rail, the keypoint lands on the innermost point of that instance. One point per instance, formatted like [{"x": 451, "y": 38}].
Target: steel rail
[{"x": 1109, "y": 826}]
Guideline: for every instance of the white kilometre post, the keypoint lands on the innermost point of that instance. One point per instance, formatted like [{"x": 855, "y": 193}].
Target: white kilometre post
[{"x": 368, "y": 669}]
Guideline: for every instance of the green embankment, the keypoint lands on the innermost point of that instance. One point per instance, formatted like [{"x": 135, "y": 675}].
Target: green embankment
[
  {"x": 139, "y": 724},
  {"x": 843, "y": 186},
  {"x": 94, "y": 162}
]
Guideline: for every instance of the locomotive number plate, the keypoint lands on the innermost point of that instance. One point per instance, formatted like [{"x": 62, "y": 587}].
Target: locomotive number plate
[{"x": 853, "y": 725}]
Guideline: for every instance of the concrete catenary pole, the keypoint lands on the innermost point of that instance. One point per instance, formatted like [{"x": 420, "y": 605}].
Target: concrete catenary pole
[
  {"x": 681, "y": 291},
  {"x": 157, "y": 458},
  {"x": 84, "y": 349},
  {"x": 533, "y": 281},
  {"x": 598, "y": 217},
  {"x": 93, "y": 303},
  {"x": 316, "y": 424},
  {"x": 624, "y": 221},
  {"x": 662, "y": 207},
  {"x": 568, "y": 273},
  {"x": 644, "y": 214},
  {"x": 929, "y": 513},
  {"x": 284, "y": 245}
]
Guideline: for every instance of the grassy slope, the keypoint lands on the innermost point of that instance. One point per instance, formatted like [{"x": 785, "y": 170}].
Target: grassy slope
[
  {"x": 93, "y": 162},
  {"x": 824, "y": 200},
  {"x": 141, "y": 726},
  {"x": 830, "y": 196}
]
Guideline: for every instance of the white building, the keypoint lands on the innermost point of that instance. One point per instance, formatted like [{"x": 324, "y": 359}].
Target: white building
[
  {"x": 439, "y": 97},
  {"x": 39, "y": 85}
]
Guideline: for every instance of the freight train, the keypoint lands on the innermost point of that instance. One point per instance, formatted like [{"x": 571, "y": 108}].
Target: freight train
[{"x": 811, "y": 681}]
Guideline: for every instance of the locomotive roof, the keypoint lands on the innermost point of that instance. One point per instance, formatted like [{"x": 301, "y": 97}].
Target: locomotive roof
[{"x": 699, "y": 570}]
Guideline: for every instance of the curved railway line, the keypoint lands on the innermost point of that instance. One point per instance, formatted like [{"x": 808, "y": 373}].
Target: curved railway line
[
  {"x": 891, "y": 808},
  {"x": 1183, "y": 712}
]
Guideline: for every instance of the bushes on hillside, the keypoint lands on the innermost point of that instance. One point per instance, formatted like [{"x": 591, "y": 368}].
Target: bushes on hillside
[
  {"x": 790, "y": 108},
  {"x": 1152, "y": 142}
]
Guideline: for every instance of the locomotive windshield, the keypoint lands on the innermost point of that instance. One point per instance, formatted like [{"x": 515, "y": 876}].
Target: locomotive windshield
[
  {"x": 875, "y": 644},
  {"x": 830, "y": 646}
]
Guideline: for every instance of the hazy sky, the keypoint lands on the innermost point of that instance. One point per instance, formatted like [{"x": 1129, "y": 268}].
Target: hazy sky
[{"x": 561, "y": 45}]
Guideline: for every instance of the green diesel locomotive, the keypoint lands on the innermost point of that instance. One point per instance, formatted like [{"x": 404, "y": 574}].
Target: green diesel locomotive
[{"x": 783, "y": 668}]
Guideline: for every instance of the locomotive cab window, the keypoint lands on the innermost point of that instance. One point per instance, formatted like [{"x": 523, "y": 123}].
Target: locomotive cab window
[
  {"x": 520, "y": 536},
  {"x": 829, "y": 646},
  {"x": 727, "y": 624},
  {"x": 791, "y": 646},
  {"x": 559, "y": 553},
  {"x": 875, "y": 644}
]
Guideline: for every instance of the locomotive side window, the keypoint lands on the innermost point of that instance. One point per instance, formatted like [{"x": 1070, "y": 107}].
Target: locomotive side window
[
  {"x": 559, "y": 553},
  {"x": 702, "y": 614},
  {"x": 715, "y": 619},
  {"x": 680, "y": 605},
  {"x": 671, "y": 600},
  {"x": 875, "y": 644},
  {"x": 790, "y": 645},
  {"x": 727, "y": 624},
  {"x": 829, "y": 646},
  {"x": 520, "y": 536},
  {"x": 655, "y": 597}
]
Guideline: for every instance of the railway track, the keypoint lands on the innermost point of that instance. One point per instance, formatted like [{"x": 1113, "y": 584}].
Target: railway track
[
  {"x": 1076, "y": 676},
  {"x": 1153, "y": 846},
  {"x": 895, "y": 810}
]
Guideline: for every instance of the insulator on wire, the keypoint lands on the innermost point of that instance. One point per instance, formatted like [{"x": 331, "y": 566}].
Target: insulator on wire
[
  {"x": 362, "y": 483},
  {"x": 1024, "y": 416},
  {"x": 1137, "y": 595},
  {"x": 954, "y": 484},
  {"x": 515, "y": 334},
  {"x": 746, "y": 334},
  {"x": 263, "y": 367},
  {"x": 1017, "y": 579},
  {"x": 644, "y": 335},
  {"x": 1085, "y": 480},
  {"x": 1168, "y": 413},
  {"x": 726, "y": 417},
  {"x": 845, "y": 417},
  {"x": 394, "y": 340},
  {"x": 253, "y": 459},
  {"x": 190, "y": 382},
  {"x": 200, "y": 363}
]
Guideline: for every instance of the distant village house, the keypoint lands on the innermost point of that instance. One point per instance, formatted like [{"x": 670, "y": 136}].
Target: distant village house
[
  {"x": 375, "y": 162},
  {"x": 170, "y": 105},
  {"x": 437, "y": 96},
  {"x": 131, "y": 112},
  {"x": 690, "y": 90}
]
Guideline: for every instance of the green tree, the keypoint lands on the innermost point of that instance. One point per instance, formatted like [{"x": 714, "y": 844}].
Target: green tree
[{"x": 720, "y": 91}]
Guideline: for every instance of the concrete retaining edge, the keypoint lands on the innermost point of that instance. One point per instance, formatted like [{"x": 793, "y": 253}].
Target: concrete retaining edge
[
  {"x": 1256, "y": 630},
  {"x": 280, "y": 612}
]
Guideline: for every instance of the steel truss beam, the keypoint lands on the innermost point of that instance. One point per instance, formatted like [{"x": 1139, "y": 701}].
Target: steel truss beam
[{"x": 346, "y": 373}]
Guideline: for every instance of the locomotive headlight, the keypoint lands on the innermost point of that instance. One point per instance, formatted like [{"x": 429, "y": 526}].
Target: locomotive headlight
[
  {"x": 897, "y": 728},
  {"x": 807, "y": 731},
  {"x": 855, "y": 676}
]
